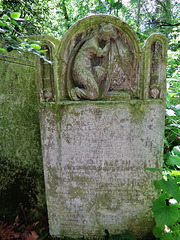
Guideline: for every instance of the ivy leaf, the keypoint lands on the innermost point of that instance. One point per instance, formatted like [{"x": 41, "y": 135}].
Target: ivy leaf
[
  {"x": 15, "y": 15},
  {"x": 36, "y": 46},
  {"x": 165, "y": 215},
  {"x": 170, "y": 186}
]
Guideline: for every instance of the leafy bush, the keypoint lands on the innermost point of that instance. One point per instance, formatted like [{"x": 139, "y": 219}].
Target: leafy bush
[
  {"x": 166, "y": 208},
  {"x": 11, "y": 32}
]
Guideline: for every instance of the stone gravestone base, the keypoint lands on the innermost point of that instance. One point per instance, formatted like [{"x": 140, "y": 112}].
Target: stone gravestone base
[{"x": 98, "y": 180}]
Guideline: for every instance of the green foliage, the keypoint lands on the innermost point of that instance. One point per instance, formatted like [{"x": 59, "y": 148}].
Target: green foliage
[
  {"x": 31, "y": 14},
  {"x": 172, "y": 130},
  {"x": 166, "y": 208},
  {"x": 55, "y": 17},
  {"x": 169, "y": 184},
  {"x": 11, "y": 31},
  {"x": 165, "y": 213}
]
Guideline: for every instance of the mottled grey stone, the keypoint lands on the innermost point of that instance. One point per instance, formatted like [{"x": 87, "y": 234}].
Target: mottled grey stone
[
  {"x": 96, "y": 176},
  {"x": 95, "y": 152}
]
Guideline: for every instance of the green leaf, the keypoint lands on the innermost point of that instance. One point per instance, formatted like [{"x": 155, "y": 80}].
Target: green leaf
[
  {"x": 14, "y": 22},
  {"x": 153, "y": 169},
  {"x": 175, "y": 173},
  {"x": 173, "y": 160},
  {"x": 177, "y": 179},
  {"x": 5, "y": 16},
  {"x": 168, "y": 100},
  {"x": 36, "y": 46},
  {"x": 24, "y": 44},
  {"x": 8, "y": 28},
  {"x": 165, "y": 215},
  {"x": 43, "y": 51},
  {"x": 166, "y": 141},
  {"x": 170, "y": 186},
  {"x": 176, "y": 150},
  {"x": 168, "y": 236},
  {"x": 15, "y": 15},
  {"x": 176, "y": 231},
  {"x": 2, "y": 49},
  {"x": 177, "y": 108},
  {"x": 157, "y": 232},
  {"x": 14, "y": 37},
  {"x": 2, "y": 24}
]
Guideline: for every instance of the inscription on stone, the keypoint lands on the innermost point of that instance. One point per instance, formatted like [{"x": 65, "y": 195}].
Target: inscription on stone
[{"x": 104, "y": 172}]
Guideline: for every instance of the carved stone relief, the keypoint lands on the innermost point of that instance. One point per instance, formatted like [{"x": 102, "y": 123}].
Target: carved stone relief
[
  {"x": 155, "y": 71},
  {"x": 102, "y": 61},
  {"x": 154, "y": 92},
  {"x": 47, "y": 77}
]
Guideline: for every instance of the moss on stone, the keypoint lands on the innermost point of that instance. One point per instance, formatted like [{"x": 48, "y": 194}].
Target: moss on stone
[{"x": 21, "y": 171}]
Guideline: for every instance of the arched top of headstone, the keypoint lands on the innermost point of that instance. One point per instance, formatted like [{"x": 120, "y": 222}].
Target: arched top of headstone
[
  {"x": 99, "y": 54},
  {"x": 100, "y": 58},
  {"x": 84, "y": 25},
  {"x": 154, "y": 66}
]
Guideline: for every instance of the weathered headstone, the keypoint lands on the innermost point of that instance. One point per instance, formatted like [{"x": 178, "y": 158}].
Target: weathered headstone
[
  {"x": 102, "y": 128},
  {"x": 21, "y": 163},
  {"x": 21, "y": 173}
]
